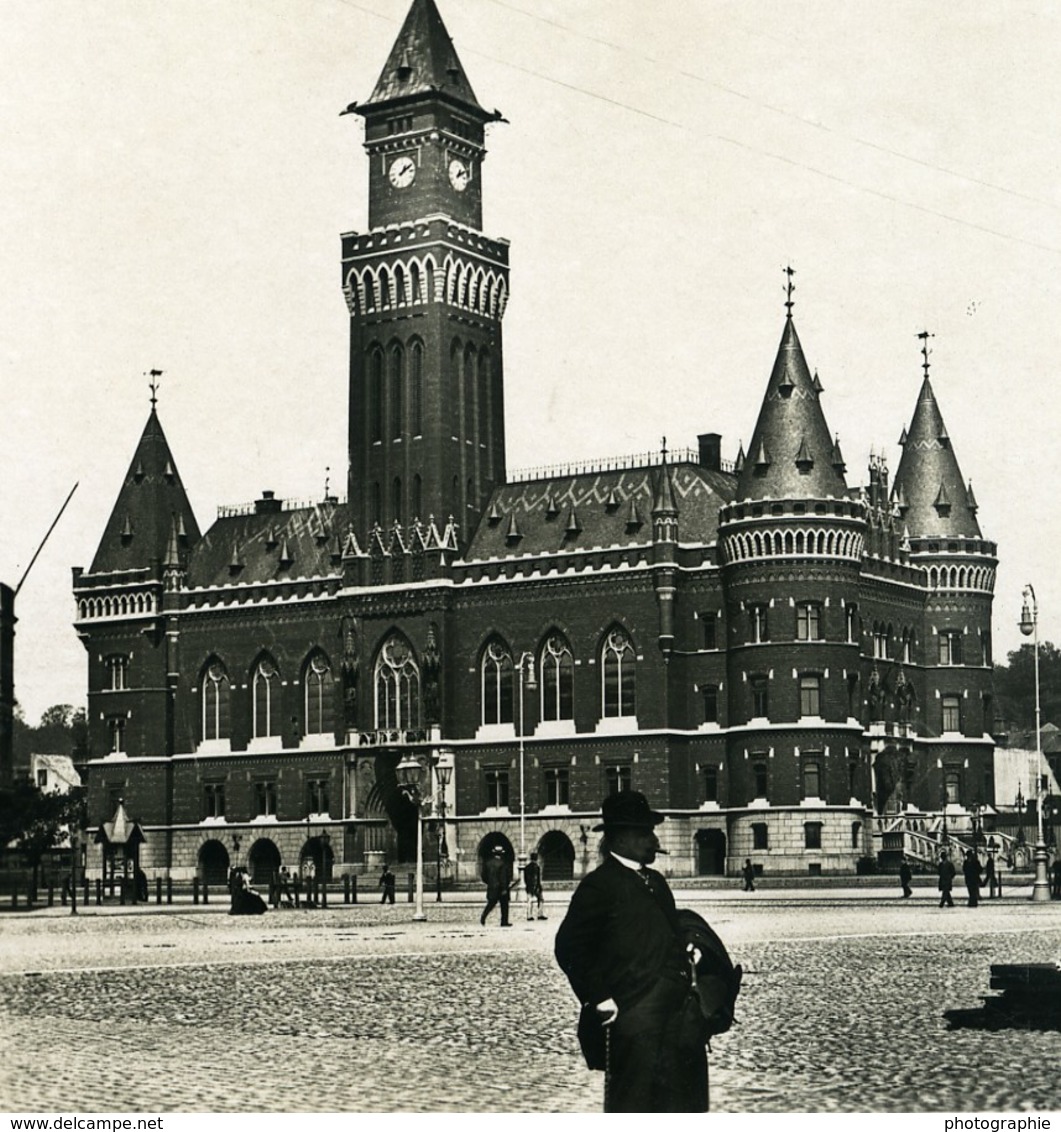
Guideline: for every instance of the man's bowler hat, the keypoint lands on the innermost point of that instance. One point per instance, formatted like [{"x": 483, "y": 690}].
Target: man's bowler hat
[{"x": 627, "y": 808}]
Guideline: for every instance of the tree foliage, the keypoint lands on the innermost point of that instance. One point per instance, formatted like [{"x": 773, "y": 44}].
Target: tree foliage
[
  {"x": 34, "y": 821},
  {"x": 63, "y": 730},
  {"x": 1015, "y": 687}
]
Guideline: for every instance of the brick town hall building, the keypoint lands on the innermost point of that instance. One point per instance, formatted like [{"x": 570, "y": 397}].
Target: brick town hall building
[{"x": 786, "y": 664}]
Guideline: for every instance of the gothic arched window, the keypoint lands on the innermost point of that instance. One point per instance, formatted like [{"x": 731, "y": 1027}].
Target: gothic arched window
[
  {"x": 317, "y": 680},
  {"x": 557, "y": 669},
  {"x": 496, "y": 673},
  {"x": 397, "y": 380},
  {"x": 397, "y": 686},
  {"x": 215, "y": 689},
  {"x": 416, "y": 388},
  {"x": 375, "y": 394},
  {"x": 266, "y": 699},
  {"x": 617, "y": 675}
]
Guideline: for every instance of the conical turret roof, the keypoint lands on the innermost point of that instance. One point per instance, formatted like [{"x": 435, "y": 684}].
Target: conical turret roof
[
  {"x": 423, "y": 61},
  {"x": 791, "y": 452},
  {"x": 151, "y": 506},
  {"x": 929, "y": 480}
]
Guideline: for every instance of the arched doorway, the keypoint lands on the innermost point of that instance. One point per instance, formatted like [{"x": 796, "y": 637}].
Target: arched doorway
[
  {"x": 486, "y": 848},
  {"x": 319, "y": 851},
  {"x": 557, "y": 856},
  {"x": 710, "y": 853},
  {"x": 264, "y": 861},
  {"x": 213, "y": 862}
]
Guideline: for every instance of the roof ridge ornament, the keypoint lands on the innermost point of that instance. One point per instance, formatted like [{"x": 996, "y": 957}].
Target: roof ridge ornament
[
  {"x": 153, "y": 385},
  {"x": 789, "y": 288},
  {"x": 926, "y": 353}
]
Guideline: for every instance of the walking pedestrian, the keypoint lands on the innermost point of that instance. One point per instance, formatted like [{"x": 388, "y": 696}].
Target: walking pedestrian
[
  {"x": 905, "y": 876},
  {"x": 532, "y": 884},
  {"x": 497, "y": 873},
  {"x": 973, "y": 872},
  {"x": 748, "y": 872},
  {"x": 1055, "y": 875},
  {"x": 387, "y": 883},
  {"x": 624, "y": 954},
  {"x": 947, "y": 872}
]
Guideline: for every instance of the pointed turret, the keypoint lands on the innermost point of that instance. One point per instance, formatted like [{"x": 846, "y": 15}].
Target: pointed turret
[
  {"x": 791, "y": 453},
  {"x": 423, "y": 62},
  {"x": 151, "y": 506},
  {"x": 929, "y": 481}
]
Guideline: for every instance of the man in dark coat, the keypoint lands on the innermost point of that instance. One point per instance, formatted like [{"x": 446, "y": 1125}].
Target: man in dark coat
[
  {"x": 972, "y": 870},
  {"x": 946, "y": 880},
  {"x": 906, "y": 874},
  {"x": 497, "y": 873},
  {"x": 625, "y": 957}
]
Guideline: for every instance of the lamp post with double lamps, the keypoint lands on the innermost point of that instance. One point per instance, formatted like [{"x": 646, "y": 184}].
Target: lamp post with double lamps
[
  {"x": 525, "y": 670},
  {"x": 1029, "y": 626},
  {"x": 411, "y": 780}
]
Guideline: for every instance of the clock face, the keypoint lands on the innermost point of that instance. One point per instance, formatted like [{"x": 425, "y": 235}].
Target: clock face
[
  {"x": 402, "y": 172},
  {"x": 459, "y": 175}
]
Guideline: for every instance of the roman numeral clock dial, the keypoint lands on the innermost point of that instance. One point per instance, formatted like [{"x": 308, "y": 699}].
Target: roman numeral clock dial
[
  {"x": 402, "y": 172},
  {"x": 459, "y": 175}
]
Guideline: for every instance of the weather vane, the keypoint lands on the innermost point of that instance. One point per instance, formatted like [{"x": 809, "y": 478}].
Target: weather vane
[
  {"x": 663, "y": 447},
  {"x": 789, "y": 288},
  {"x": 154, "y": 374},
  {"x": 926, "y": 353}
]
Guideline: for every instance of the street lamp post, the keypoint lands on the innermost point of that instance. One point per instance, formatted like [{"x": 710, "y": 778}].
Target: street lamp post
[
  {"x": 525, "y": 667},
  {"x": 1029, "y": 626},
  {"x": 410, "y": 775},
  {"x": 443, "y": 774}
]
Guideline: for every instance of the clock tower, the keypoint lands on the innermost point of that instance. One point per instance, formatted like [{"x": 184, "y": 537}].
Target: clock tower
[{"x": 426, "y": 291}]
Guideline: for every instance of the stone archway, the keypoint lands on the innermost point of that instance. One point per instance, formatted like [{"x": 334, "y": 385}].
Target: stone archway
[
  {"x": 319, "y": 851},
  {"x": 486, "y": 848},
  {"x": 213, "y": 863},
  {"x": 557, "y": 856},
  {"x": 264, "y": 862}
]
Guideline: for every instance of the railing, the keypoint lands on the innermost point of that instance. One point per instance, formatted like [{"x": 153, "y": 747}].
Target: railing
[
  {"x": 234, "y": 510},
  {"x": 392, "y": 737},
  {"x": 609, "y": 464}
]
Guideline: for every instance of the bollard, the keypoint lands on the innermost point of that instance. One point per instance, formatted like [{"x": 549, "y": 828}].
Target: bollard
[
  {"x": 99, "y": 891},
  {"x": 353, "y": 889},
  {"x": 412, "y": 886},
  {"x": 158, "y": 890},
  {"x": 324, "y": 894},
  {"x": 346, "y": 888},
  {"x": 51, "y": 894},
  {"x": 169, "y": 890},
  {"x": 195, "y": 890},
  {"x": 206, "y": 892},
  {"x": 298, "y": 890},
  {"x": 14, "y": 898}
]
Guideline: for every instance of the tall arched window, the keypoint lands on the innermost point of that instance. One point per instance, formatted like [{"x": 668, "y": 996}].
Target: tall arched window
[
  {"x": 455, "y": 389},
  {"x": 396, "y": 499},
  {"x": 557, "y": 669},
  {"x": 484, "y": 409},
  {"x": 496, "y": 678},
  {"x": 418, "y": 497},
  {"x": 266, "y": 698},
  {"x": 397, "y": 686},
  {"x": 617, "y": 675},
  {"x": 318, "y": 683},
  {"x": 416, "y": 388},
  {"x": 215, "y": 691},
  {"x": 375, "y": 394},
  {"x": 468, "y": 396},
  {"x": 397, "y": 380}
]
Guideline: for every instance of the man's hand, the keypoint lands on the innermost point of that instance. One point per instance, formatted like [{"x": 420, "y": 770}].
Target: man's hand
[{"x": 607, "y": 1011}]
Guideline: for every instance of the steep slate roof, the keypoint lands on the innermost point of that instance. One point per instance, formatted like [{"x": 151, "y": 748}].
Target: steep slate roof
[
  {"x": 791, "y": 454},
  {"x": 271, "y": 545},
  {"x": 937, "y": 502},
  {"x": 598, "y": 509},
  {"x": 151, "y": 501},
  {"x": 423, "y": 61}
]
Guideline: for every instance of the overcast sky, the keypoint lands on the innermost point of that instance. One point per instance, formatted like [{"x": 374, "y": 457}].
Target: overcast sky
[{"x": 176, "y": 177}]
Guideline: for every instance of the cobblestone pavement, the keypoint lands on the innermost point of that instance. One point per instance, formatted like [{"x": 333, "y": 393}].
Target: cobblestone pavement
[{"x": 360, "y": 1009}]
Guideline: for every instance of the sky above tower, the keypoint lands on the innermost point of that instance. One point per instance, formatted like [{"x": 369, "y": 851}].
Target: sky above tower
[{"x": 177, "y": 176}]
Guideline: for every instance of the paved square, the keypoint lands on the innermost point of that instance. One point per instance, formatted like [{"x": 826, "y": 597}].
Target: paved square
[{"x": 360, "y": 1009}]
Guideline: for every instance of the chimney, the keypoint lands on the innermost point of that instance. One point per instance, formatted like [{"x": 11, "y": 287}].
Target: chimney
[
  {"x": 267, "y": 505},
  {"x": 711, "y": 451}
]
